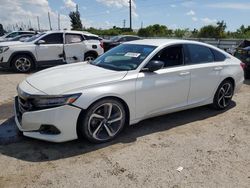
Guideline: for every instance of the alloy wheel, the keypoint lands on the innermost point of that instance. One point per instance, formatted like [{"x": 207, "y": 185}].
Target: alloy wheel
[
  {"x": 105, "y": 121},
  {"x": 23, "y": 64},
  {"x": 89, "y": 58},
  {"x": 225, "y": 95}
]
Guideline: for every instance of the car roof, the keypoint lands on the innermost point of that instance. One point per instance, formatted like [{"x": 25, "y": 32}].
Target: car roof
[
  {"x": 73, "y": 32},
  {"x": 163, "y": 42}
]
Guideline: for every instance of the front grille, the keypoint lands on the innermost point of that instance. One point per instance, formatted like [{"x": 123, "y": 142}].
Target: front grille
[{"x": 22, "y": 105}]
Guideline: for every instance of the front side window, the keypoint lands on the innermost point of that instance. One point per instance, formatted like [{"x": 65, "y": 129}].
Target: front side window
[
  {"x": 11, "y": 35},
  {"x": 199, "y": 54},
  {"x": 55, "y": 38},
  {"x": 73, "y": 38},
  {"x": 171, "y": 56},
  {"x": 124, "y": 57}
]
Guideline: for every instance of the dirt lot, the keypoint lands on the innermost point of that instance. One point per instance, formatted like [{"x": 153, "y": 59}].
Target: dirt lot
[{"x": 212, "y": 147}]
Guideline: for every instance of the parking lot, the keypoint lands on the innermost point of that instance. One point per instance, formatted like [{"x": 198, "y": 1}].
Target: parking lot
[{"x": 211, "y": 146}]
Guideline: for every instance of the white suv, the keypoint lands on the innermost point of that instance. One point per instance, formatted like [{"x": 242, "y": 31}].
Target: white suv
[{"x": 49, "y": 49}]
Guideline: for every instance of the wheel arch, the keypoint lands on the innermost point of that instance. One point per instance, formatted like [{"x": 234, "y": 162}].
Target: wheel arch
[
  {"x": 91, "y": 52},
  {"x": 15, "y": 54},
  {"x": 82, "y": 113}
]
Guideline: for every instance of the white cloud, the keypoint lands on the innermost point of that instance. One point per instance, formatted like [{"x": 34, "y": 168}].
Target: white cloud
[
  {"x": 21, "y": 12},
  {"x": 173, "y": 5},
  {"x": 226, "y": 5},
  {"x": 120, "y": 4},
  {"x": 208, "y": 21},
  {"x": 191, "y": 13},
  {"x": 195, "y": 19},
  {"x": 70, "y": 4}
]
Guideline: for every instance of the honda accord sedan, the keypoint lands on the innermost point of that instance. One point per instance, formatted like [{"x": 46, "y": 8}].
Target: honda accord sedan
[{"x": 132, "y": 82}]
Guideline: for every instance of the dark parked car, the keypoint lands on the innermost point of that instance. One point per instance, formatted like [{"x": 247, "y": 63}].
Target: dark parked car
[
  {"x": 244, "y": 55},
  {"x": 115, "y": 41}
]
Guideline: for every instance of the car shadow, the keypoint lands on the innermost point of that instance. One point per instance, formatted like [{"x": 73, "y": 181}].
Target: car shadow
[{"x": 39, "y": 151}]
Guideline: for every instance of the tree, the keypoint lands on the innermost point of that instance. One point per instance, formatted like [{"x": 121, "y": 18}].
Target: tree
[
  {"x": 75, "y": 19},
  {"x": 2, "y": 31},
  {"x": 212, "y": 31},
  {"x": 155, "y": 31},
  {"x": 221, "y": 27}
]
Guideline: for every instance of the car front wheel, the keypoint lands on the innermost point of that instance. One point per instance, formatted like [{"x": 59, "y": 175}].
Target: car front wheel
[
  {"x": 223, "y": 95},
  {"x": 103, "y": 121},
  {"x": 22, "y": 63}
]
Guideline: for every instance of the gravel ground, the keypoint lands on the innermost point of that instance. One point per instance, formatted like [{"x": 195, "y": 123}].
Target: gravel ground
[{"x": 212, "y": 147}]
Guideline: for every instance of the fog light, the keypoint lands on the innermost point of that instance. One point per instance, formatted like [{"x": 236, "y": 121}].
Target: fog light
[{"x": 49, "y": 129}]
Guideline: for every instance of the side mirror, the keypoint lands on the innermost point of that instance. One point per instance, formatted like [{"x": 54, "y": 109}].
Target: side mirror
[
  {"x": 153, "y": 66},
  {"x": 40, "y": 42}
]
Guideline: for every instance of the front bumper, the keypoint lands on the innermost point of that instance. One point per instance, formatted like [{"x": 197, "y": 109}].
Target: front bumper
[{"x": 64, "y": 118}]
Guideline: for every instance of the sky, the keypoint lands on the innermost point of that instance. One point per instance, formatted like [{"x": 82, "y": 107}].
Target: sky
[{"x": 108, "y": 13}]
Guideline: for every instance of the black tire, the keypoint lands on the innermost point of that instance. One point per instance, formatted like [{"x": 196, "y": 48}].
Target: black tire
[
  {"x": 22, "y": 63},
  {"x": 223, "y": 95},
  {"x": 90, "y": 57},
  {"x": 100, "y": 130},
  {"x": 247, "y": 74}
]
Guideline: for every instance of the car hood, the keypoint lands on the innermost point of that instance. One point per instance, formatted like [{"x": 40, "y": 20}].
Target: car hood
[
  {"x": 71, "y": 78},
  {"x": 12, "y": 43}
]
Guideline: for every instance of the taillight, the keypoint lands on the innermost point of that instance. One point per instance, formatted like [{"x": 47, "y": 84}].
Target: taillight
[
  {"x": 101, "y": 44},
  {"x": 243, "y": 65}
]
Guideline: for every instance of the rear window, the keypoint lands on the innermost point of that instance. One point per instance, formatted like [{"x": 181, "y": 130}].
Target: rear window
[
  {"x": 200, "y": 54},
  {"x": 73, "y": 38},
  {"x": 218, "y": 56}
]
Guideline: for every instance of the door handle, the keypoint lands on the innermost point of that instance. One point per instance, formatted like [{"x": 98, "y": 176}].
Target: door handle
[
  {"x": 184, "y": 73},
  {"x": 218, "y": 68}
]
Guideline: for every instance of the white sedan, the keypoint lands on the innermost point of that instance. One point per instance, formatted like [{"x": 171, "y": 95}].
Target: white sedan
[{"x": 132, "y": 82}]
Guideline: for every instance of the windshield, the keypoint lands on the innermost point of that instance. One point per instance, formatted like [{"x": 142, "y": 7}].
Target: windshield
[
  {"x": 116, "y": 38},
  {"x": 124, "y": 57},
  {"x": 34, "y": 37}
]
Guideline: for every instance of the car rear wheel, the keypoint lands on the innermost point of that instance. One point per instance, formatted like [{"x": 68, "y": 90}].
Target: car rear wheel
[
  {"x": 22, "y": 63},
  {"x": 103, "y": 121},
  {"x": 90, "y": 57},
  {"x": 223, "y": 95}
]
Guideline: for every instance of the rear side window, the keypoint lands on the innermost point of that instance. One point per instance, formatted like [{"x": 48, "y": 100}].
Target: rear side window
[
  {"x": 218, "y": 56},
  {"x": 73, "y": 38},
  {"x": 55, "y": 38},
  {"x": 199, "y": 54},
  {"x": 91, "y": 37}
]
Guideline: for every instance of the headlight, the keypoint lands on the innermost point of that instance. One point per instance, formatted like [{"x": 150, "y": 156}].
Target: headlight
[
  {"x": 54, "y": 101},
  {"x": 3, "y": 49}
]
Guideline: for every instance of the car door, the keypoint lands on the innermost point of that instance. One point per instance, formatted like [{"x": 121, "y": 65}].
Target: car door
[
  {"x": 50, "y": 52},
  {"x": 165, "y": 89},
  {"x": 205, "y": 73},
  {"x": 74, "y": 47}
]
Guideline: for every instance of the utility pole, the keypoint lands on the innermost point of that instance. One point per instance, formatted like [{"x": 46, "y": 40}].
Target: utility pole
[
  {"x": 59, "y": 22},
  {"x": 141, "y": 24},
  {"x": 30, "y": 26},
  {"x": 38, "y": 23},
  {"x": 49, "y": 22},
  {"x": 130, "y": 14},
  {"x": 124, "y": 23}
]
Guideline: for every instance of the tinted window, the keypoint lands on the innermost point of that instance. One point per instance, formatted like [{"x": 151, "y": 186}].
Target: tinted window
[
  {"x": 218, "y": 56},
  {"x": 132, "y": 38},
  {"x": 73, "y": 38},
  {"x": 55, "y": 38},
  {"x": 200, "y": 54},
  {"x": 171, "y": 56},
  {"x": 11, "y": 35},
  {"x": 91, "y": 37}
]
